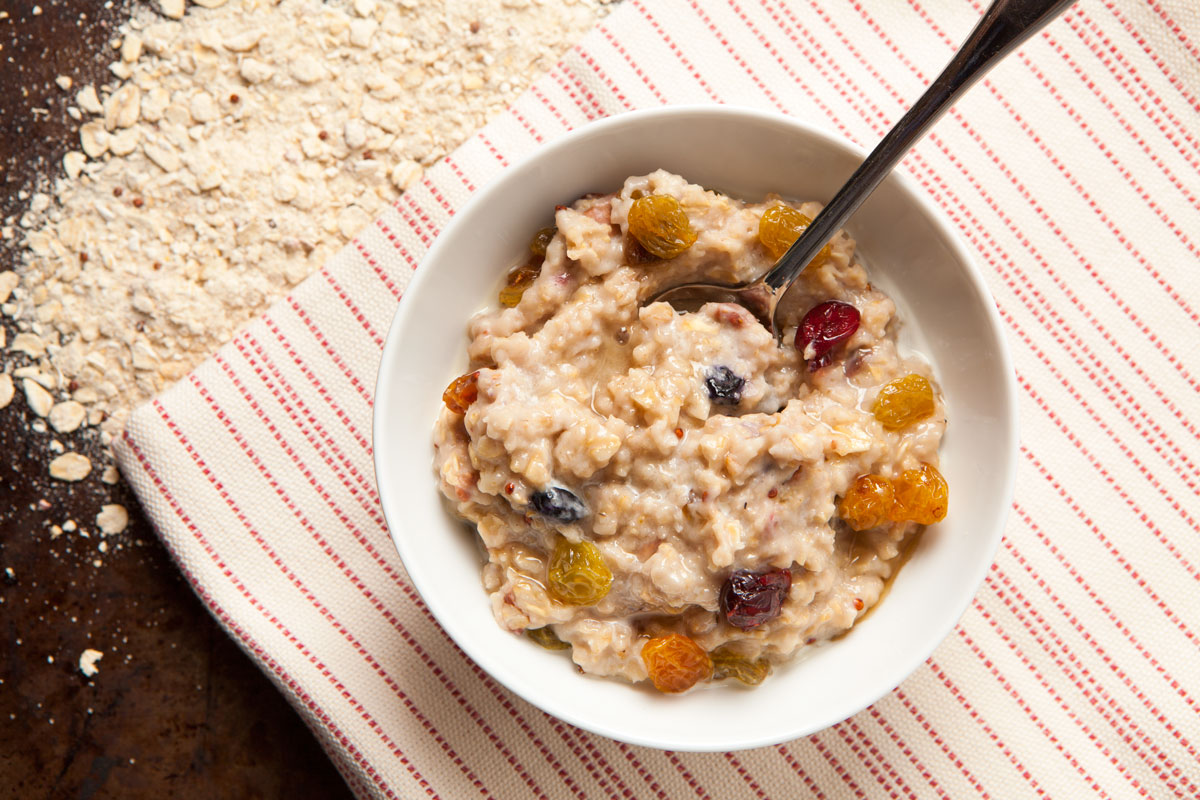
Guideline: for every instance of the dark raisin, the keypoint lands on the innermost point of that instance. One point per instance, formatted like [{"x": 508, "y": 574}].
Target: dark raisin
[
  {"x": 823, "y": 328},
  {"x": 748, "y": 599},
  {"x": 559, "y": 504},
  {"x": 724, "y": 387}
]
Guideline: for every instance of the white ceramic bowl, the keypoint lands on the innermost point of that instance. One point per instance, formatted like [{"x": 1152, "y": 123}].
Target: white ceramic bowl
[{"x": 948, "y": 315}]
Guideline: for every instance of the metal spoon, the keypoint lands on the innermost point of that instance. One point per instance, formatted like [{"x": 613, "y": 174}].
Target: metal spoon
[{"x": 1004, "y": 26}]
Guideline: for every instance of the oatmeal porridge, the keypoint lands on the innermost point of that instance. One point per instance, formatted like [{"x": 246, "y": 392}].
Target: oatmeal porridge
[{"x": 676, "y": 497}]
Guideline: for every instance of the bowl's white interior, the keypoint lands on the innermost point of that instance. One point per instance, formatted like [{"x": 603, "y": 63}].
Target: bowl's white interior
[{"x": 910, "y": 253}]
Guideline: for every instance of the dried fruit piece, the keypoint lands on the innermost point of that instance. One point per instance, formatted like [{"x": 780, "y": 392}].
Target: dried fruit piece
[
  {"x": 660, "y": 225},
  {"x": 675, "y": 663},
  {"x": 724, "y": 386},
  {"x": 547, "y": 638},
  {"x": 921, "y": 496},
  {"x": 578, "y": 575},
  {"x": 780, "y": 227},
  {"x": 517, "y": 282},
  {"x": 558, "y": 503},
  {"x": 541, "y": 240},
  {"x": 904, "y": 401},
  {"x": 868, "y": 502},
  {"x": 461, "y": 392},
  {"x": 728, "y": 663},
  {"x": 823, "y": 328},
  {"x": 748, "y": 599}
]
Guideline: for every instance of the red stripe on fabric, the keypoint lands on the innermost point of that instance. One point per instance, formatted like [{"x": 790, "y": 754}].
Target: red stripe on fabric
[
  {"x": 310, "y": 426},
  {"x": 1108, "y": 612},
  {"x": 699, "y": 790},
  {"x": 744, "y": 774},
  {"x": 1175, "y": 28},
  {"x": 670, "y": 43},
  {"x": 790, "y": 760},
  {"x": 882, "y": 720},
  {"x": 1072, "y": 19},
  {"x": 537, "y": 137},
  {"x": 1112, "y": 482},
  {"x": 1050, "y": 690},
  {"x": 536, "y": 92},
  {"x": 492, "y": 149},
  {"x": 716, "y": 32},
  {"x": 457, "y": 170},
  {"x": 1108, "y": 544},
  {"x": 320, "y": 388},
  {"x": 620, "y": 48},
  {"x": 1082, "y": 673},
  {"x": 852, "y": 735},
  {"x": 612, "y": 86},
  {"x": 384, "y": 277},
  {"x": 394, "y": 240},
  {"x": 231, "y": 625},
  {"x": 576, "y": 739},
  {"x": 1176, "y": 82},
  {"x": 950, "y": 755},
  {"x": 566, "y": 78},
  {"x": 354, "y": 310},
  {"x": 1125, "y": 172},
  {"x": 411, "y": 221},
  {"x": 837, "y": 766},
  {"x": 362, "y": 390},
  {"x": 295, "y": 580},
  {"x": 1123, "y": 72},
  {"x": 642, "y": 771},
  {"x": 974, "y": 713}
]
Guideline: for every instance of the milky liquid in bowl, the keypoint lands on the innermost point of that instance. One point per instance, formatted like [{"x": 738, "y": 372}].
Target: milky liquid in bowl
[{"x": 947, "y": 315}]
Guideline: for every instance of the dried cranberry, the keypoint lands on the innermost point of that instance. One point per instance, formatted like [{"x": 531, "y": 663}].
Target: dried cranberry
[
  {"x": 748, "y": 599},
  {"x": 823, "y": 328},
  {"x": 559, "y": 504},
  {"x": 724, "y": 387}
]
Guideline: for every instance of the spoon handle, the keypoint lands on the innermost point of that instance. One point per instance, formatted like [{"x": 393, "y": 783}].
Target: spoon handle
[{"x": 1004, "y": 26}]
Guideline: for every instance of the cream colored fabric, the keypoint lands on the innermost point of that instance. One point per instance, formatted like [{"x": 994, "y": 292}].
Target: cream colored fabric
[{"x": 1072, "y": 175}]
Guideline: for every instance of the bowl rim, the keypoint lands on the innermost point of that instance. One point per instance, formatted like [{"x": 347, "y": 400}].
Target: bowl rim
[{"x": 391, "y": 358}]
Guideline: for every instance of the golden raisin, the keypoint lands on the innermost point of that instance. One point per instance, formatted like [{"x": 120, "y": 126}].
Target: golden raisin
[
  {"x": 660, "y": 225},
  {"x": 578, "y": 575},
  {"x": 541, "y": 240},
  {"x": 461, "y": 392},
  {"x": 675, "y": 663},
  {"x": 868, "y": 502},
  {"x": 780, "y": 227},
  {"x": 517, "y": 282},
  {"x": 904, "y": 401},
  {"x": 921, "y": 496},
  {"x": 547, "y": 638},
  {"x": 727, "y": 663}
]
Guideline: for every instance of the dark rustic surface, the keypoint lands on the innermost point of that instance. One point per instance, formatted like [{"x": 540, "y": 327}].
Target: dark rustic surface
[{"x": 176, "y": 709}]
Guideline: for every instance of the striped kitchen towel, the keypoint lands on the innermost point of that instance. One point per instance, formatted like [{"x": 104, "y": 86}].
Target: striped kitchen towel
[{"x": 1073, "y": 174}]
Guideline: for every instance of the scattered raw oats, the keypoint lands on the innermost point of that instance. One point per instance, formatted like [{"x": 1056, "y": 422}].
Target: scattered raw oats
[
  {"x": 64, "y": 82},
  {"x": 40, "y": 401},
  {"x": 70, "y": 467},
  {"x": 112, "y": 519},
  {"x": 6, "y": 389},
  {"x": 67, "y": 416},
  {"x": 30, "y": 344},
  {"x": 87, "y": 662},
  {"x": 111, "y": 475},
  {"x": 249, "y": 141}
]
